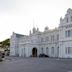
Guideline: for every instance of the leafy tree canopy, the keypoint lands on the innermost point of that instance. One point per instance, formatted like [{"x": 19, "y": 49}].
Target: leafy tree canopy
[{"x": 5, "y": 43}]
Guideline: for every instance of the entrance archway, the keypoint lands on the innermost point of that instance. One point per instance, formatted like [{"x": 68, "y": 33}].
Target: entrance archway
[{"x": 34, "y": 52}]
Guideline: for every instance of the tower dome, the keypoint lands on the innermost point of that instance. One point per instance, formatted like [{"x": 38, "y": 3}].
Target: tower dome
[
  {"x": 34, "y": 30},
  {"x": 69, "y": 11},
  {"x": 46, "y": 28}
]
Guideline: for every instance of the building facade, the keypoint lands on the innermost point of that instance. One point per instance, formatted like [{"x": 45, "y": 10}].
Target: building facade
[{"x": 54, "y": 43}]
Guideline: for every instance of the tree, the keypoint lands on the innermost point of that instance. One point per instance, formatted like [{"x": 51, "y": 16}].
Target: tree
[{"x": 5, "y": 43}]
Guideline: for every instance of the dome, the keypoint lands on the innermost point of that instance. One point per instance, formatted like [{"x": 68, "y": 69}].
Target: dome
[
  {"x": 46, "y": 28},
  {"x": 37, "y": 29},
  {"x": 34, "y": 30},
  {"x": 69, "y": 10}
]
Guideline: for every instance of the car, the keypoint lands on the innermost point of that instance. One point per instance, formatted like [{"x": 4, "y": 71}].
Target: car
[
  {"x": 43, "y": 55},
  {"x": 3, "y": 55}
]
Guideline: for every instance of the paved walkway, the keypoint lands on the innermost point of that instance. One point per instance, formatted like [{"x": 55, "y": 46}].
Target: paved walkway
[{"x": 36, "y": 65}]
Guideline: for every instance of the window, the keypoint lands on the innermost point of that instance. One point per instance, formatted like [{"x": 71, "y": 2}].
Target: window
[
  {"x": 65, "y": 33},
  {"x": 42, "y": 39},
  {"x": 68, "y": 50},
  {"x": 58, "y": 37},
  {"x": 16, "y": 51},
  {"x": 68, "y": 33},
  {"x": 47, "y": 38},
  {"x": 67, "y": 20},
  {"x": 58, "y": 51},
  {"x": 52, "y": 50},
  {"x": 71, "y": 18},
  {"x": 47, "y": 50},
  {"x": 52, "y": 38},
  {"x": 24, "y": 52},
  {"x": 42, "y": 50}
]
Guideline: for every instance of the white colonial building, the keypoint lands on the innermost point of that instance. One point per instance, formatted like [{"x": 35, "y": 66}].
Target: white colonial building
[{"x": 54, "y": 43}]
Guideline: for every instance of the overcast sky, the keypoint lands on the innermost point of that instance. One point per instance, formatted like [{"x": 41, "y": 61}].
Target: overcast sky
[{"x": 18, "y": 15}]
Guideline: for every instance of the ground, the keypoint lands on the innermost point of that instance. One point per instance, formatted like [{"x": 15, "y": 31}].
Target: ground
[{"x": 13, "y": 64}]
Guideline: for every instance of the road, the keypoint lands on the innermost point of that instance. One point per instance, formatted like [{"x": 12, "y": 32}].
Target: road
[{"x": 36, "y": 65}]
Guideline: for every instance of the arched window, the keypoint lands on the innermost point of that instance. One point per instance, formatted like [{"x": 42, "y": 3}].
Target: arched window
[
  {"x": 24, "y": 52},
  {"x": 71, "y": 18},
  {"x": 47, "y": 39},
  {"x": 68, "y": 33},
  {"x": 42, "y": 50},
  {"x": 42, "y": 39},
  {"x": 57, "y": 51},
  {"x": 57, "y": 36},
  {"x": 47, "y": 50},
  {"x": 52, "y": 50},
  {"x": 67, "y": 20},
  {"x": 52, "y": 38},
  {"x": 68, "y": 50}
]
